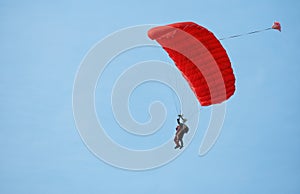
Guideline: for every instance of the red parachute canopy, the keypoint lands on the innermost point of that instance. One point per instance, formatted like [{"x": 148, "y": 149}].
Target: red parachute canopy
[{"x": 200, "y": 57}]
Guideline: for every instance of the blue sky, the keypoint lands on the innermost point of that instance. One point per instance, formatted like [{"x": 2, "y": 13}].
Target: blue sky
[{"x": 42, "y": 46}]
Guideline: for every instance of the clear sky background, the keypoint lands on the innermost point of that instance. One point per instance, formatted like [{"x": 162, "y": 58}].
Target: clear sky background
[{"x": 42, "y": 45}]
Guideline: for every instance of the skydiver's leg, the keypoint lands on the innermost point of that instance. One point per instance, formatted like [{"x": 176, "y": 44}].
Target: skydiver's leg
[
  {"x": 181, "y": 142},
  {"x": 176, "y": 142}
]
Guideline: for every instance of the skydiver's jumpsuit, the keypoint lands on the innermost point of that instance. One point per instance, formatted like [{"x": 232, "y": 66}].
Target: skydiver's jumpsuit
[{"x": 179, "y": 134}]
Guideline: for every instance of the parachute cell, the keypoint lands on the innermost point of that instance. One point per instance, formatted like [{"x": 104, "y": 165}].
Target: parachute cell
[{"x": 200, "y": 57}]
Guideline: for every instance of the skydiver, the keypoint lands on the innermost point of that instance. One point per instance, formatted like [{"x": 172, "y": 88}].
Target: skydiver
[{"x": 181, "y": 129}]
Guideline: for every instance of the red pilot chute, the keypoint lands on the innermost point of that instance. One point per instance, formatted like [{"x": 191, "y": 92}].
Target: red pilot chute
[{"x": 276, "y": 26}]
